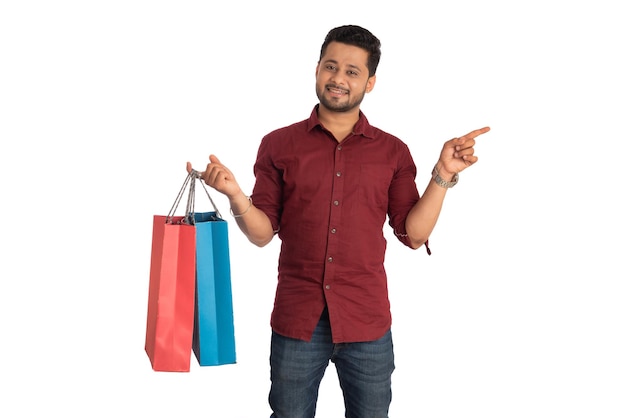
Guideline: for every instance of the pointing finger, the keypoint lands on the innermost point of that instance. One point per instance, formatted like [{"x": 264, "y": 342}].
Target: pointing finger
[{"x": 477, "y": 132}]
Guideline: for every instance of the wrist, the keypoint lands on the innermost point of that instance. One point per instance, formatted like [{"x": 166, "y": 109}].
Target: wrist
[
  {"x": 445, "y": 179},
  {"x": 443, "y": 173},
  {"x": 237, "y": 197},
  {"x": 240, "y": 205}
]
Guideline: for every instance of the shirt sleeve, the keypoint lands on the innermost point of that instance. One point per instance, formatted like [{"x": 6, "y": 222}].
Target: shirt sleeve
[
  {"x": 403, "y": 194},
  {"x": 268, "y": 187}
]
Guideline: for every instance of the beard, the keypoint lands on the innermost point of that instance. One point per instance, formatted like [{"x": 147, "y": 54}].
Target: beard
[{"x": 334, "y": 104}]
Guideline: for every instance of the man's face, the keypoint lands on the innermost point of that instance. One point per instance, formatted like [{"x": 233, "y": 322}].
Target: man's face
[{"x": 342, "y": 78}]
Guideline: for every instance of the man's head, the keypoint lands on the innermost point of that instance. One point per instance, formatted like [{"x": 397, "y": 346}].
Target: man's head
[
  {"x": 346, "y": 69},
  {"x": 356, "y": 36}
]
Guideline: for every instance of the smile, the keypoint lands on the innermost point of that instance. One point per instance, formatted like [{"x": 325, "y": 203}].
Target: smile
[{"x": 336, "y": 90}]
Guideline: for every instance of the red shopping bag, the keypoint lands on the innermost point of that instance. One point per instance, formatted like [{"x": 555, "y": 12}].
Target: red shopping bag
[{"x": 171, "y": 295}]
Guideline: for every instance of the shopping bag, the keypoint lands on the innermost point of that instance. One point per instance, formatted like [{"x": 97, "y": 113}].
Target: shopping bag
[
  {"x": 214, "y": 337},
  {"x": 171, "y": 294}
]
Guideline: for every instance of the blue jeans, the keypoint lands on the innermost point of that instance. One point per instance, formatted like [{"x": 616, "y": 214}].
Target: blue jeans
[{"x": 297, "y": 367}]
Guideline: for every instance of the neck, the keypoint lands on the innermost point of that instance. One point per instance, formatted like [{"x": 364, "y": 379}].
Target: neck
[{"x": 340, "y": 124}]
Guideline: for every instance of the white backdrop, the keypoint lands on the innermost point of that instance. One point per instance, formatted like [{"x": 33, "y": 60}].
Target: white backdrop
[{"x": 520, "y": 310}]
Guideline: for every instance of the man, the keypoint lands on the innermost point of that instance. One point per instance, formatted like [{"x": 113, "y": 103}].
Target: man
[{"x": 326, "y": 186}]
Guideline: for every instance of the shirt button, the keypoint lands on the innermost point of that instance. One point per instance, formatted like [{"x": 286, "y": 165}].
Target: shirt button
[
  {"x": 330, "y": 259},
  {"x": 327, "y": 287},
  {"x": 336, "y": 203},
  {"x": 339, "y": 147},
  {"x": 333, "y": 230},
  {"x": 338, "y": 173}
]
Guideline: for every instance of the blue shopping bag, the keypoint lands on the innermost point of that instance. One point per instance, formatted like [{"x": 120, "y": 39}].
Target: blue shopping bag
[{"x": 214, "y": 330}]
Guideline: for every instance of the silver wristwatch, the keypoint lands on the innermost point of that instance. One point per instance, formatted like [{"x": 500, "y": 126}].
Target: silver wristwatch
[{"x": 443, "y": 183}]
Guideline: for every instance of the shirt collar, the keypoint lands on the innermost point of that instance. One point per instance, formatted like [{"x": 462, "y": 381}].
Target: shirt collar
[{"x": 362, "y": 127}]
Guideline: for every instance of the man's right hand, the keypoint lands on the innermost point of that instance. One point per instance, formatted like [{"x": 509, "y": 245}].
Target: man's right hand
[{"x": 219, "y": 177}]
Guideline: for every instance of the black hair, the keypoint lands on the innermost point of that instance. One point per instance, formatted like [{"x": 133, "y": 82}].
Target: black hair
[{"x": 356, "y": 36}]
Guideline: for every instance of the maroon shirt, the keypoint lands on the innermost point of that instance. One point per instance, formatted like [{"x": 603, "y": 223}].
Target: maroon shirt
[{"x": 329, "y": 202}]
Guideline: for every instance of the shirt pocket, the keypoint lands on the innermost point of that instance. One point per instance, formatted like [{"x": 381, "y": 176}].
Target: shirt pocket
[{"x": 374, "y": 182}]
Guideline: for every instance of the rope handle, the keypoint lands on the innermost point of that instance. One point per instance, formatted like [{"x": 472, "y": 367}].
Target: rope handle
[{"x": 190, "y": 182}]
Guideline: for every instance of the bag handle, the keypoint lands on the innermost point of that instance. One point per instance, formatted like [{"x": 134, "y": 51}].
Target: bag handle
[
  {"x": 190, "y": 181},
  {"x": 196, "y": 174}
]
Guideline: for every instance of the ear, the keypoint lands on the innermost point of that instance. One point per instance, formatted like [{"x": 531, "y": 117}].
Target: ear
[
  {"x": 370, "y": 83},
  {"x": 317, "y": 69}
]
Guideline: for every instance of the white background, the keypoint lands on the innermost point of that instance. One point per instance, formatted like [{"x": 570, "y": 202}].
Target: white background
[{"x": 520, "y": 310}]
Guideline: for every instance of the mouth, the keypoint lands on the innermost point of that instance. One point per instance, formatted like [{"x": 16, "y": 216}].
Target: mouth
[{"x": 336, "y": 91}]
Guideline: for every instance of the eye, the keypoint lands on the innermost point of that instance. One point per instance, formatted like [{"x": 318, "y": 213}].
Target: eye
[{"x": 330, "y": 67}]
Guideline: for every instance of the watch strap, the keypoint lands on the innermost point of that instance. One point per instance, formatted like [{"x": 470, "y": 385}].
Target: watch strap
[{"x": 444, "y": 183}]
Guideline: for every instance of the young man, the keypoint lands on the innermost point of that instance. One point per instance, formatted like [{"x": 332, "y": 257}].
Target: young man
[{"x": 326, "y": 186}]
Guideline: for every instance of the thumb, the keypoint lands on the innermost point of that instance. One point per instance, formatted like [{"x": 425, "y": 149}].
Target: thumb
[
  {"x": 189, "y": 167},
  {"x": 214, "y": 159}
]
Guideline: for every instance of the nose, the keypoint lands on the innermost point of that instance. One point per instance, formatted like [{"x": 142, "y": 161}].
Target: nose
[{"x": 339, "y": 79}]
